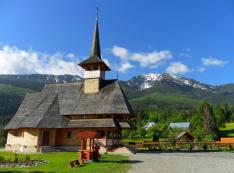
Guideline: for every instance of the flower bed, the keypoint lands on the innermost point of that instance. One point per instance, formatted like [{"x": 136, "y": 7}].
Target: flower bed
[
  {"x": 20, "y": 163},
  {"x": 23, "y": 164}
]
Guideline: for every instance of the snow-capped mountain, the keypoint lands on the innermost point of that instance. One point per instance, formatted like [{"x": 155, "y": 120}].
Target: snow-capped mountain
[
  {"x": 146, "y": 81},
  {"x": 44, "y": 78}
]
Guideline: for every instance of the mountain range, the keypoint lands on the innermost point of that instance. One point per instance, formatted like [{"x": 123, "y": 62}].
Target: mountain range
[
  {"x": 146, "y": 91},
  {"x": 157, "y": 90}
]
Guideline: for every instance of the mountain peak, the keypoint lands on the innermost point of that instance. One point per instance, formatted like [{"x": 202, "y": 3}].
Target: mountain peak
[{"x": 146, "y": 81}]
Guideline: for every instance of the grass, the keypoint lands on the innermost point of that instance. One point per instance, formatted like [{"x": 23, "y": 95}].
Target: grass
[
  {"x": 227, "y": 131},
  {"x": 136, "y": 139},
  {"x": 58, "y": 163}
]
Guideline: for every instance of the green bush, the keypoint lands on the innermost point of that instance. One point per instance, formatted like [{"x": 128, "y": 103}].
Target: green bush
[
  {"x": 8, "y": 160},
  {"x": 230, "y": 147},
  {"x": 205, "y": 147},
  {"x": 2, "y": 159},
  {"x": 16, "y": 159},
  {"x": 27, "y": 158},
  {"x": 190, "y": 147}
]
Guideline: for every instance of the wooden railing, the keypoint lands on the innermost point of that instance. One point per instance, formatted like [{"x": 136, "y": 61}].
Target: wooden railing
[{"x": 179, "y": 145}]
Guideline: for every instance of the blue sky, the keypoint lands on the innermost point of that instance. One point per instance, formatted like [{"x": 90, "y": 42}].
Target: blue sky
[{"x": 189, "y": 38}]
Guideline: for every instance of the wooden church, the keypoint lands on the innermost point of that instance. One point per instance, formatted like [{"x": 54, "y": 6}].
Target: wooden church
[{"x": 51, "y": 119}]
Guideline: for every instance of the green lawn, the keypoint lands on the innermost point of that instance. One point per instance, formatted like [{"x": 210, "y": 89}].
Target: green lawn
[
  {"x": 136, "y": 139},
  {"x": 227, "y": 131},
  {"x": 58, "y": 162}
]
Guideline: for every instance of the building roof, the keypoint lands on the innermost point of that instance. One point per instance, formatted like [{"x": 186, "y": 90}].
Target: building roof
[
  {"x": 48, "y": 109},
  {"x": 93, "y": 123},
  {"x": 180, "y": 125},
  {"x": 187, "y": 135},
  {"x": 148, "y": 125},
  {"x": 124, "y": 125}
]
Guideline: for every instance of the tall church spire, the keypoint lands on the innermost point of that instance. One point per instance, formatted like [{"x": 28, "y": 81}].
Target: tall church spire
[
  {"x": 95, "y": 61},
  {"x": 95, "y": 50}
]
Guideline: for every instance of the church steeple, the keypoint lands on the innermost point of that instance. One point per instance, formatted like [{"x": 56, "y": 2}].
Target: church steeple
[
  {"x": 94, "y": 66},
  {"x": 95, "y": 50},
  {"x": 95, "y": 60}
]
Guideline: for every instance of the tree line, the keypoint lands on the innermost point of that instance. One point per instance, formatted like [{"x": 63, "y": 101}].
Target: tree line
[{"x": 205, "y": 121}]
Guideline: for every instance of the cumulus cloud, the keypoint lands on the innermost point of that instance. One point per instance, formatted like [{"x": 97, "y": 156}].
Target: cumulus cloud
[
  {"x": 71, "y": 55},
  {"x": 151, "y": 59},
  {"x": 120, "y": 52},
  {"x": 124, "y": 67},
  {"x": 177, "y": 68},
  {"x": 145, "y": 59},
  {"x": 201, "y": 69},
  {"x": 17, "y": 61},
  {"x": 213, "y": 62}
]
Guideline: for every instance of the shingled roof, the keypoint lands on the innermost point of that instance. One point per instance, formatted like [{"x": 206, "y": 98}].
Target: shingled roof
[{"x": 48, "y": 109}]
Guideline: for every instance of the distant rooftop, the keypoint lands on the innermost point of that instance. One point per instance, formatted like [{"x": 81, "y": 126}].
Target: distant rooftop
[{"x": 180, "y": 125}]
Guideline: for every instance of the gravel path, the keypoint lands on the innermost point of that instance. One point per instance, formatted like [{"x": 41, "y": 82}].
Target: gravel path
[{"x": 182, "y": 163}]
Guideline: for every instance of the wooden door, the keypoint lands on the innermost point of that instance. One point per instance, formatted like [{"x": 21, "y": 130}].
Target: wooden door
[{"x": 46, "y": 138}]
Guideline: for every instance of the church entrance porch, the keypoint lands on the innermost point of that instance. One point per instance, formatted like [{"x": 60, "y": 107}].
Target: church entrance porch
[
  {"x": 46, "y": 140},
  {"x": 66, "y": 139}
]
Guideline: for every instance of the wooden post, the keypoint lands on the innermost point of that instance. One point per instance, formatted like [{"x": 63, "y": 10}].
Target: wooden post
[
  {"x": 82, "y": 143},
  {"x": 90, "y": 145}
]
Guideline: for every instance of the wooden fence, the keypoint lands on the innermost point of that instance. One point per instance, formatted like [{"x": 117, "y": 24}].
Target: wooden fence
[{"x": 216, "y": 145}]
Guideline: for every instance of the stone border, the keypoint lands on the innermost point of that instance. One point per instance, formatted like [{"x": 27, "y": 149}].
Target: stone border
[{"x": 31, "y": 163}]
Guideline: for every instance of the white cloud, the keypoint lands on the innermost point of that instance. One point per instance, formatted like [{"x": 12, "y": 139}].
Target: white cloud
[
  {"x": 124, "y": 67},
  {"x": 16, "y": 61},
  {"x": 149, "y": 59},
  {"x": 177, "y": 68},
  {"x": 120, "y": 52},
  {"x": 201, "y": 69},
  {"x": 71, "y": 55},
  {"x": 213, "y": 62}
]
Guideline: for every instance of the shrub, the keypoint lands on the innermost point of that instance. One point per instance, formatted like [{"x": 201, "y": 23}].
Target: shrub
[
  {"x": 2, "y": 159},
  {"x": 230, "y": 147},
  {"x": 205, "y": 147},
  {"x": 27, "y": 158},
  {"x": 190, "y": 147},
  {"x": 8, "y": 160},
  {"x": 16, "y": 159}
]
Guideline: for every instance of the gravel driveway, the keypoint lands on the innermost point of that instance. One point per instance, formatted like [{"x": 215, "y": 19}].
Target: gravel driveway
[{"x": 182, "y": 163}]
